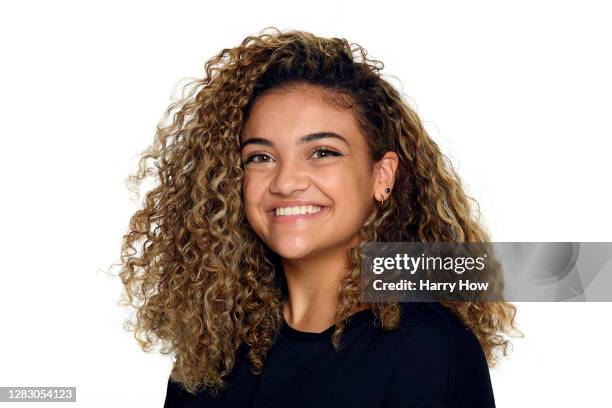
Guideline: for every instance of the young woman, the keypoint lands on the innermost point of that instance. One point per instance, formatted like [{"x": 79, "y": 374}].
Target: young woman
[{"x": 288, "y": 154}]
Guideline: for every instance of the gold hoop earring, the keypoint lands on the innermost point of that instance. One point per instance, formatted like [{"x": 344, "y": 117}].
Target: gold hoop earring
[{"x": 387, "y": 190}]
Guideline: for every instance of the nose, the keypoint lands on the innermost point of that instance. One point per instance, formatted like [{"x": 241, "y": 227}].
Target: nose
[{"x": 288, "y": 179}]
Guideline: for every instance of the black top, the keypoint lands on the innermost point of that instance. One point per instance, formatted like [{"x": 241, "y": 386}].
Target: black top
[{"x": 432, "y": 360}]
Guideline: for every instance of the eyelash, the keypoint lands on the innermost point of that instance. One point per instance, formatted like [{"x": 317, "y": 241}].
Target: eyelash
[{"x": 317, "y": 150}]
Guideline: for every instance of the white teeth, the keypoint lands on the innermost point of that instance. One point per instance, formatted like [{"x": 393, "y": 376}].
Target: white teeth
[{"x": 298, "y": 210}]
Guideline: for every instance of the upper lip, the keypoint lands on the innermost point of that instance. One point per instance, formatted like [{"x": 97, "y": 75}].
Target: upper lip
[{"x": 293, "y": 203}]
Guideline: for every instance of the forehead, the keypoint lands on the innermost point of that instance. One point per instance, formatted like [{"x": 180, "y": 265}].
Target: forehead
[{"x": 300, "y": 109}]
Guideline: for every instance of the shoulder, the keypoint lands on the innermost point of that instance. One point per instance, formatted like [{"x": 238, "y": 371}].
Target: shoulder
[
  {"x": 437, "y": 330},
  {"x": 439, "y": 359},
  {"x": 439, "y": 326},
  {"x": 176, "y": 395}
]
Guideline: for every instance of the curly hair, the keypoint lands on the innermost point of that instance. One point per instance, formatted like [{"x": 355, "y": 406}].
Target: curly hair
[{"x": 202, "y": 282}]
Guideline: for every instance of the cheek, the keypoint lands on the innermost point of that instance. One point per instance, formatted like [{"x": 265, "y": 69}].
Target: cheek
[
  {"x": 248, "y": 193},
  {"x": 352, "y": 195},
  {"x": 348, "y": 184},
  {"x": 252, "y": 192}
]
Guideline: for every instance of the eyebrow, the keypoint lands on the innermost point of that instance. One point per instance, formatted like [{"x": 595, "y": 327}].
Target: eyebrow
[{"x": 303, "y": 139}]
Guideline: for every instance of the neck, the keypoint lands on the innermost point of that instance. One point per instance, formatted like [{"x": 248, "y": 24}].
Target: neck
[{"x": 313, "y": 284}]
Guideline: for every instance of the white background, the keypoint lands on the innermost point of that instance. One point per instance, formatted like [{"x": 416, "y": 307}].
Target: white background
[{"x": 517, "y": 93}]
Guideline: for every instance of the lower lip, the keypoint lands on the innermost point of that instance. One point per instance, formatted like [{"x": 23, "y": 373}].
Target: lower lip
[{"x": 295, "y": 218}]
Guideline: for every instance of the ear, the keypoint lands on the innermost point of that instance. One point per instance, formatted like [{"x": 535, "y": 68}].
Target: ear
[{"x": 384, "y": 175}]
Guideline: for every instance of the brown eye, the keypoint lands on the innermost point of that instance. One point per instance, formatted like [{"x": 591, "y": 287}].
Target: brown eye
[
  {"x": 260, "y": 155},
  {"x": 324, "y": 152}
]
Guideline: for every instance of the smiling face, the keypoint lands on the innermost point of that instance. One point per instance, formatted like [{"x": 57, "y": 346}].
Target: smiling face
[{"x": 308, "y": 181}]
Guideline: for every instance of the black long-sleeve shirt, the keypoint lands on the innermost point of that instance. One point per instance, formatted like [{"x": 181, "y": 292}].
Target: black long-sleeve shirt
[{"x": 432, "y": 360}]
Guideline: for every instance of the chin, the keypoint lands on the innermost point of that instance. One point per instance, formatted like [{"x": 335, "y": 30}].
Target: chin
[{"x": 292, "y": 250}]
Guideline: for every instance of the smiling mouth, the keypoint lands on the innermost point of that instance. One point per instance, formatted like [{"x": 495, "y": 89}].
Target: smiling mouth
[{"x": 288, "y": 214}]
